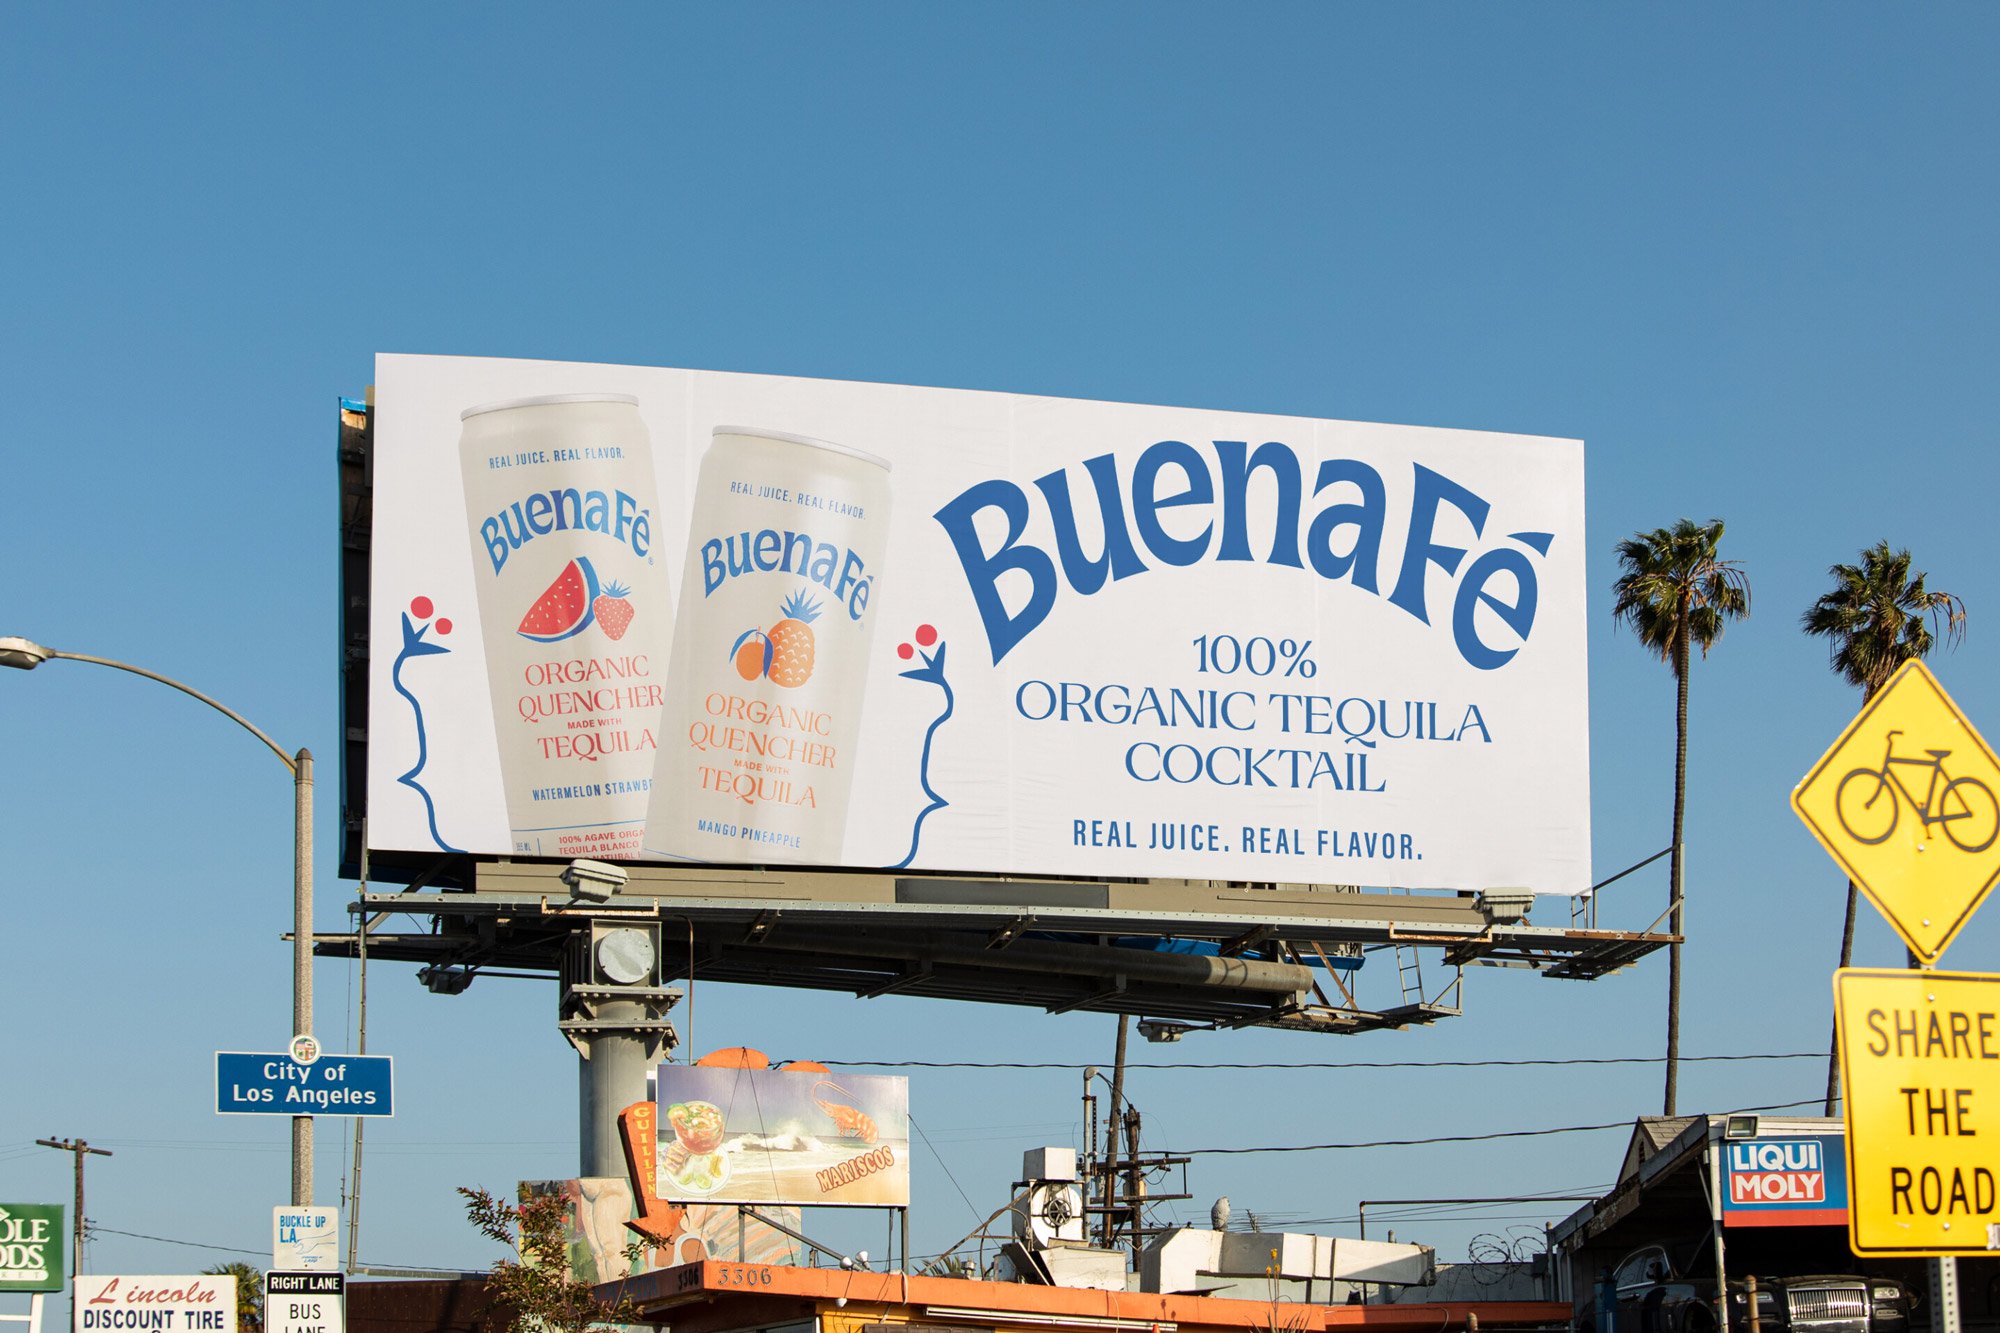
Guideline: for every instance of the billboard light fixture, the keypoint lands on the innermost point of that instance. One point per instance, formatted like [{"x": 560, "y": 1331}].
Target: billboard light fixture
[
  {"x": 594, "y": 880},
  {"x": 1163, "y": 1029},
  {"x": 445, "y": 980},
  {"x": 1739, "y": 1127},
  {"x": 1506, "y": 907}
]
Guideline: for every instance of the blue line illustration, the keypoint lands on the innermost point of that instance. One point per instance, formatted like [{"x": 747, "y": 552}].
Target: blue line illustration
[
  {"x": 415, "y": 645},
  {"x": 931, "y": 671}
]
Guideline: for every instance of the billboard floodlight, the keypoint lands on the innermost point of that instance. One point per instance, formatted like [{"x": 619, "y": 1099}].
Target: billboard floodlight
[
  {"x": 1506, "y": 907},
  {"x": 595, "y": 880}
]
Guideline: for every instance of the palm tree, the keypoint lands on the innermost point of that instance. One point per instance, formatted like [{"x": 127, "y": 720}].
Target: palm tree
[
  {"x": 249, "y": 1294},
  {"x": 1878, "y": 616},
  {"x": 1676, "y": 593}
]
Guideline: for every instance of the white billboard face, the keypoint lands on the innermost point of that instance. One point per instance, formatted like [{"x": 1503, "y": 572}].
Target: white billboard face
[
  {"x": 686, "y": 616},
  {"x": 200, "y": 1303}
]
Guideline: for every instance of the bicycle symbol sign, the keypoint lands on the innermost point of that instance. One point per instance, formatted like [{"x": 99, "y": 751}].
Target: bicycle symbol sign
[{"x": 1905, "y": 803}]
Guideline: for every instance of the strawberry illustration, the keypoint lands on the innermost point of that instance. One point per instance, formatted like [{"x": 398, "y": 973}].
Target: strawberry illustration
[{"x": 613, "y": 612}]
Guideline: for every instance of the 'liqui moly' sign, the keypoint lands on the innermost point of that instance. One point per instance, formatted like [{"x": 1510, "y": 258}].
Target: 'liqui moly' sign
[{"x": 1785, "y": 1181}]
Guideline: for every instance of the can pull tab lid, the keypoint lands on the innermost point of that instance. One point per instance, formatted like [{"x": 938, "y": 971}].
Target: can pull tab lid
[{"x": 548, "y": 400}]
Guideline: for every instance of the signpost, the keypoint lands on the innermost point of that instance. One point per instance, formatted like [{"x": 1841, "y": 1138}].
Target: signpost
[
  {"x": 305, "y": 1240},
  {"x": 31, "y": 1256},
  {"x": 1905, "y": 802},
  {"x": 273, "y": 1083},
  {"x": 31, "y": 1247},
  {"x": 305, "y": 1302},
  {"x": 192, "y": 1303},
  {"x": 1920, "y": 1060},
  {"x": 1784, "y": 1181}
]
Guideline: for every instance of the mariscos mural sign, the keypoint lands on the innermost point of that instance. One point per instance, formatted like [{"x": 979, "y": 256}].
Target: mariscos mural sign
[{"x": 679, "y": 615}]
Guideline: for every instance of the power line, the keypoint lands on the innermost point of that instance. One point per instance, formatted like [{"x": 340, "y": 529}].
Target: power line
[
  {"x": 943, "y": 1164},
  {"x": 97, "y": 1230},
  {"x": 1327, "y": 1064},
  {"x": 1449, "y": 1138}
]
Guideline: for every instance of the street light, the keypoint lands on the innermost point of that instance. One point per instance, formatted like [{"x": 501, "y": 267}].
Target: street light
[{"x": 26, "y": 655}]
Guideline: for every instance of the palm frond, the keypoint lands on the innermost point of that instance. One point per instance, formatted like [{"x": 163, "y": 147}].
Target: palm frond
[
  {"x": 1676, "y": 591},
  {"x": 1880, "y": 615}
]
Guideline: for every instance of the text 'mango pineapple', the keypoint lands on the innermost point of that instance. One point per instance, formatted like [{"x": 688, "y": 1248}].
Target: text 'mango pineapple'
[{"x": 770, "y": 652}]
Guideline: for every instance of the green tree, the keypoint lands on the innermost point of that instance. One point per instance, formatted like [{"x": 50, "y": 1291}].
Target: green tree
[
  {"x": 546, "y": 1296},
  {"x": 1676, "y": 593},
  {"x": 1878, "y": 616},
  {"x": 249, "y": 1294}
]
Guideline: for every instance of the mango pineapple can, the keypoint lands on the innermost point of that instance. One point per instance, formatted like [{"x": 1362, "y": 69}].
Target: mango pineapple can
[
  {"x": 771, "y": 651},
  {"x": 575, "y": 614}
]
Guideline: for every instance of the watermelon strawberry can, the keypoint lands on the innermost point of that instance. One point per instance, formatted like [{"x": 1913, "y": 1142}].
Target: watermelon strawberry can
[
  {"x": 575, "y": 614},
  {"x": 763, "y": 714}
]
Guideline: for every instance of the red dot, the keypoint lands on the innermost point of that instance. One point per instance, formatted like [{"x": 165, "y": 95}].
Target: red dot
[
  {"x": 421, "y": 608},
  {"x": 443, "y": 626},
  {"x": 926, "y": 635},
  {"x": 904, "y": 651}
]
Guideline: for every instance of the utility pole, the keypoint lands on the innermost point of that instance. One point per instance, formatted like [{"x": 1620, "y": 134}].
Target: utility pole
[
  {"x": 1115, "y": 1122},
  {"x": 79, "y": 1149}
]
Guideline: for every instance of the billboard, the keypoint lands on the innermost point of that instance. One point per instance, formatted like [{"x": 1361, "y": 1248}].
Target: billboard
[
  {"x": 1785, "y": 1182},
  {"x": 782, "y": 1136},
  {"x": 684, "y": 616},
  {"x": 31, "y": 1247},
  {"x": 197, "y": 1303}
]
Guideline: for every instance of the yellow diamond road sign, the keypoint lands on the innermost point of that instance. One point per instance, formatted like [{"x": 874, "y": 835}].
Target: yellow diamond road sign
[
  {"x": 1905, "y": 801},
  {"x": 1920, "y": 1066}
]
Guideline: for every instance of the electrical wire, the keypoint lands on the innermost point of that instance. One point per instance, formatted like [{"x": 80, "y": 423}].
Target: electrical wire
[
  {"x": 946, "y": 1167},
  {"x": 1325, "y": 1064},
  {"x": 1452, "y": 1138},
  {"x": 91, "y": 1228}
]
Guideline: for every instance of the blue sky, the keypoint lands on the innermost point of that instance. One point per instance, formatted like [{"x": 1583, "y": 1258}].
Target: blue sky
[{"x": 1743, "y": 253}]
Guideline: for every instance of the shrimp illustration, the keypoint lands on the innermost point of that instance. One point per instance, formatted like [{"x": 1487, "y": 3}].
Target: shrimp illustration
[{"x": 851, "y": 1121}]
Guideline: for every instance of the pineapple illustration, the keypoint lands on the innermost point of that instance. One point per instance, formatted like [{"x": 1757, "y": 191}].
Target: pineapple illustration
[{"x": 791, "y": 642}]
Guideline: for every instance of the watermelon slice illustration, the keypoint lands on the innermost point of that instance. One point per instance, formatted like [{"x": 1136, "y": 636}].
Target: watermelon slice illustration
[{"x": 565, "y": 609}]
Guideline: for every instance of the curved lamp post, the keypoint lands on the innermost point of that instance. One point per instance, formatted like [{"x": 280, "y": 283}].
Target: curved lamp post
[{"x": 25, "y": 655}]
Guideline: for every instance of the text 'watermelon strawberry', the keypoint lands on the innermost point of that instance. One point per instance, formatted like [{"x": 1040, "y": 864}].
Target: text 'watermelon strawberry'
[{"x": 567, "y": 607}]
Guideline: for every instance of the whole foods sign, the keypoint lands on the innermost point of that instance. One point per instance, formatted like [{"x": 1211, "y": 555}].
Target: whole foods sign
[
  {"x": 673, "y": 615},
  {"x": 31, "y": 1247}
]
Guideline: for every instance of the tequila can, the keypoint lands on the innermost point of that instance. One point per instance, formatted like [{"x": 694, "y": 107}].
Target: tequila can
[
  {"x": 771, "y": 651},
  {"x": 575, "y": 615}
]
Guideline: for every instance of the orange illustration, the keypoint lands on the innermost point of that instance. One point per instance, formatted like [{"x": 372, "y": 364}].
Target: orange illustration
[{"x": 752, "y": 654}]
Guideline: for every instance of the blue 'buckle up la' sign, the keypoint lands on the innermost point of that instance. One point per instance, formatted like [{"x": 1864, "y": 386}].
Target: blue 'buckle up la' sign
[{"x": 252, "y": 1083}]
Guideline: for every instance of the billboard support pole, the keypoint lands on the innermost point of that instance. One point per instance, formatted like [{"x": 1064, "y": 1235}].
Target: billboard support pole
[
  {"x": 33, "y": 1319},
  {"x": 616, "y": 1020},
  {"x": 611, "y": 1068}
]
